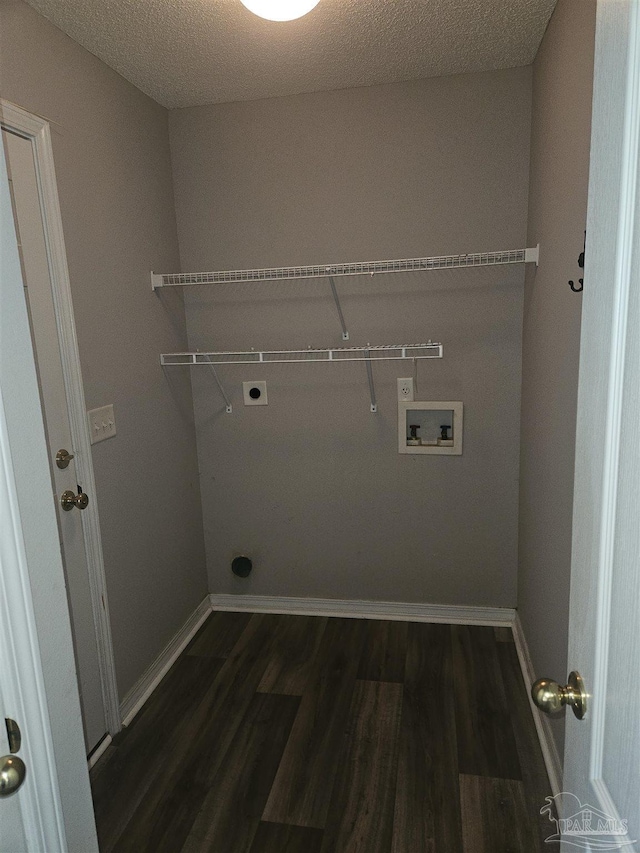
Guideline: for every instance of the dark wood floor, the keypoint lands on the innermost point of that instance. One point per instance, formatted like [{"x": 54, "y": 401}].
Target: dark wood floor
[{"x": 295, "y": 734}]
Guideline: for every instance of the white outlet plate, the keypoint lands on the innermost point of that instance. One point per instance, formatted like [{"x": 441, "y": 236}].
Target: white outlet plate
[
  {"x": 102, "y": 423},
  {"x": 405, "y": 390},
  {"x": 255, "y": 393}
]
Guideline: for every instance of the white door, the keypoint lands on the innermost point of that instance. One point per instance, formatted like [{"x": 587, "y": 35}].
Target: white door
[
  {"x": 13, "y": 835},
  {"x": 602, "y": 756},
  {"x": 51, "y": 811},
  {"x": 35, "y": 268}
]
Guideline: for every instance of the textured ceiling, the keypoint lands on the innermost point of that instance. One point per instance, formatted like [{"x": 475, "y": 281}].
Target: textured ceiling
[{"x": 189, "y": 52}]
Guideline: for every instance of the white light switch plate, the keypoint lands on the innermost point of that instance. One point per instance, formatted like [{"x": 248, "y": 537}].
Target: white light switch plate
[{"x": 102, "y": 424}]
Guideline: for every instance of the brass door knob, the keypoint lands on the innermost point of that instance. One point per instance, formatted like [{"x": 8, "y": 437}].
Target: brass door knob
[
  {"x": 550, "y": 697},
  {"x": 69, "y": 499},
  {"x": 12, "y": 773},
  {"x": 82, "y": 500}
]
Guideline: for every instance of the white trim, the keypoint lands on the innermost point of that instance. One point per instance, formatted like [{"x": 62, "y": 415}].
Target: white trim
[
  {"x": 543, "y": 725},
  {"x": 397, "y": 611},
  {"x": 138, "y": 695},
  {"x": 23, "y": 692},
  {"x": 99, "y": 751},
  {"x": 37, "y": 130}
]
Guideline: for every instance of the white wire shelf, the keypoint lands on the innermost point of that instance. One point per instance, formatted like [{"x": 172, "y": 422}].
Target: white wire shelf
[
  {"x": 390, "y": 352},
  {"x": 442, "y": 262}
]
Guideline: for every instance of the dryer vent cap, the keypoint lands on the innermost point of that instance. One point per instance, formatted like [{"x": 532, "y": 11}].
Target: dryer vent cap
[{"x": 241, "y": 567}]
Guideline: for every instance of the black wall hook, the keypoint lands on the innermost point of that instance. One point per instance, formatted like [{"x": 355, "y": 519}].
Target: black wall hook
[{"x": 581, "y": 265}]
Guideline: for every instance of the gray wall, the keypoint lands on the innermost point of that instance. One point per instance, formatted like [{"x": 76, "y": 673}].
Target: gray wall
[
  {"x": 312, "y": 486},
  {"x": 560, "y": 141},
  {"x": 112, "y": 159}
]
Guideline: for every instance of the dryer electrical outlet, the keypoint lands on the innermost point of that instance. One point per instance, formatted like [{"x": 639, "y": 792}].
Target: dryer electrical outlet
[
  {"x": 255, "y": 393},
  {"x": 102, "y": 423},
  {"x": 405, "y": 390}
]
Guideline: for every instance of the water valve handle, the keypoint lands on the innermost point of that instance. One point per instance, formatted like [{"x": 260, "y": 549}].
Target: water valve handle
[
  {"x": 414, "y": 430},
  {"x": 444, "y": 432}
]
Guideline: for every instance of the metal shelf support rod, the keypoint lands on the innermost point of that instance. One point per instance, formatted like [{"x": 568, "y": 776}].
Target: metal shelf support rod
[
  {"x": 334, "y": 291},
  {"x": 228, "y": 407},
  {"x": 372, "y": 387}
]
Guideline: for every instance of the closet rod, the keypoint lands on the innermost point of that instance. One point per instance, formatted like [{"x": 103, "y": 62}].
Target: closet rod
[
  {"x": 478, "y": 259},
  {"x": 388, "y": 352}
]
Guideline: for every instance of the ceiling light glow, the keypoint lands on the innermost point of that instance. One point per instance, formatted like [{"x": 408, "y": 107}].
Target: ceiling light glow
[{"x": 280, "y": 10}]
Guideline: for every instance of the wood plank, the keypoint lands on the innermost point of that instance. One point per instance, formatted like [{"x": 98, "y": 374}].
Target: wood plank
[
  {"x": 495, "y": 817},
  {"x": 121, "y": 778},
  {"x": 503, "y": 635},
  {"x": 302, "y": 788},
  {"x": 231, "y": 811},
  {"x": 427, "y": 808},
  {"x": 283, "y": 838},
  {"x": 219, "y": 634},
  {"x": 385, "y": 650},
  {"x": 293, "y": 656},
  {"x": 360, "y": 818},
  {"x": 486, "y": 744},
  {"x": 166, "y": 832},
  {"x": 534, "y": 771},
  {"x": 197, "y": 749}
]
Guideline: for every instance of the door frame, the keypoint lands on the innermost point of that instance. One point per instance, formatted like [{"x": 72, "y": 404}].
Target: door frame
[
  {"x": 36, "y": 129},
  {"x": 37, "y": 667}
]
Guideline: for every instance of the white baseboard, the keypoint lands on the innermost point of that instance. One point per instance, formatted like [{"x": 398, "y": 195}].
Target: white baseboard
[
  {"x": 138, "y": 695},
  {"x": 396, "y": 611},
  {"x": 393, "y": 610},
  {"x": 99, "y": 751},
  {"x": 543, "y": 725}
]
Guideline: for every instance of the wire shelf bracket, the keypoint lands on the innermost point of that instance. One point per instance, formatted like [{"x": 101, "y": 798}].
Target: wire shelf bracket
[
  {"x": 227, "y": 407},
  {"x": 336, "y": 299},
  {"x": 441, "y": 262},
  {"x": 372, "y": 387}
]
